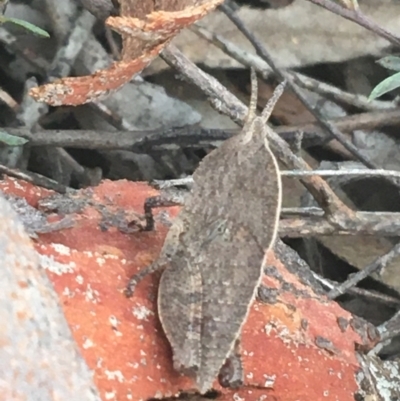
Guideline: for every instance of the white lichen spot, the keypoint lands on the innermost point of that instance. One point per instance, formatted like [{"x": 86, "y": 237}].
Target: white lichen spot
[
  {"x": 100, "y": 261},
  {"x": 284, "y": 333},
  {"x": 141, "y": 312},
  {"x": 110, "y": 256},
  {"x": 250, "y": 375},
  {"x": 150, "y": 379},
  {"x": 262, "y": 398},
  {"x": 269, "y": 381},
  {"x": 326, "y": 393},
  {"x": 113, "y": 321},
  {"x": 129, "y": 397},
  {"x": 88, "y": 343},
  {"x": 99, "y": 362},
  {"x": 268, "y": 328},
  {"x": 158, "y": 366},
  {"x": 17, "y": 185},
  {"x": 123, "y": 261},
  {"x": 237, "y": 397},
  {"x": 79, "y": 279},
  {"x": 62, "y": 249},
  {"x": 91, "y": 295},
  {"x": 163, "y": 380},
  {"x": 114, "y": 375},
  {"x": 109, "y": 395},
  {"x": 88, "y": 253},
  {"x": 143, "y": 361},
  {"x": 142, "y": 353},
  {"x": 48, "y": 263},
  {"x": 140, "y": 327},
  {"x": 67, "y": 292},
  {"x": 118, "y": 333},
  {"x": 158, "y": 395}
]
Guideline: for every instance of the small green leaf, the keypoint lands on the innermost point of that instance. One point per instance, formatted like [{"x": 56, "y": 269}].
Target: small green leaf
[
  {"x": 11, "y": 140},
  {"x": 390, "y": 62},
  {"x": 27, "y": 25},
  {"x": 387, "y": 85}
]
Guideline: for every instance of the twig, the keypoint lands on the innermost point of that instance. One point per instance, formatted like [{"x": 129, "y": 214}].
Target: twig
[
  {"x": 374, "y": 267},
  {"x": 359, "y": 18},
  {"x": 139, "y": 141},
  {"x": 8, "y": 100},
  {"x": 373, "y": 295},
  {"x": 263, "y": 53},
  {"x": 191, "y": 135},
  {"x": 228, "y": 104},
  {"x": 34, "y": 178},
  {"x": 340, "y": 96},
  {"x": 302, "y": 211},
  {"x": 385, "y": 224},
  {"x": 390, "y": 328},
  {"x": 294, "y": 173},
  {"x": 324, "y": 89},
  {"x": 345, "y": 172}
]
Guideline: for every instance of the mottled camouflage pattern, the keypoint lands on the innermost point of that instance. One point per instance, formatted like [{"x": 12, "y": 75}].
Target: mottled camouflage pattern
[{"x": 215, "y": 249}]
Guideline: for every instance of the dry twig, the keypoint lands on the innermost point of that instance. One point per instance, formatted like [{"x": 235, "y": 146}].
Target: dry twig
[
  {"x": 359, "y": 18},
  {"x": 263, "y": 53},
  {"x": 228, "y": 104},
  {"x": 374, "y": 267}
]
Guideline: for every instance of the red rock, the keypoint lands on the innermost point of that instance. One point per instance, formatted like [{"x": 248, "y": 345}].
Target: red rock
[{"x": 293, "y": 349}]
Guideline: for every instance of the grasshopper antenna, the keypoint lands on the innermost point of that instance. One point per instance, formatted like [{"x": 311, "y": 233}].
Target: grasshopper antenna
[
  {"x": 251, "y": 114},
  {"x": 266, "y": 113}
]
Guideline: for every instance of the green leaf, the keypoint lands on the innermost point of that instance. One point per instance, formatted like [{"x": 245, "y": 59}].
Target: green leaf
[
  {"x": 11, "y": 140},
  {"x": 27, "y": 25},
  {"x": 387, "y": 85},
  {"x": 390, "y": 62}
]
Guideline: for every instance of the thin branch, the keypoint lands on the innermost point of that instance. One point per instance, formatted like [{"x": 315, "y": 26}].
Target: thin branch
[
  {"x": 383, "y": 224},
  {"x": 376, "y": 266},
  {"x": 34, "y": 178},
  {"x": 187, "y": 181},
  {"x": 345, "y": 172},
  {"x": 263, "y": 53},
  {"x": 253, "y": 60},
  {"x": 138, "y": 141},
  {"x": 228, "y": 104},
  {"x": 373, "y": 295},
  {"x": 359, "y": 18},
  {"x": 143, "y": 141},
  {"x": 390, "y": 328},
  {"x": 340, "y": 96}
]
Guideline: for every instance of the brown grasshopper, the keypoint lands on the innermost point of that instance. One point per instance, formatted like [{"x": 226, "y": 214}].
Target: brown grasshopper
[{"x": 214, "y": 252}]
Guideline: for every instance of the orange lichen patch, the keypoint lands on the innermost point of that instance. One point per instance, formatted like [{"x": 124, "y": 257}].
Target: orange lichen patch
[
  {"x": 80, "y": 90},
  {"x": 24, "y": 189},
  {"x": 120, "y": 339},
  {"x": 143, "y": 40},
  {"x": 160, "y": 24},
  {"x": 293, "y": 349}
]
